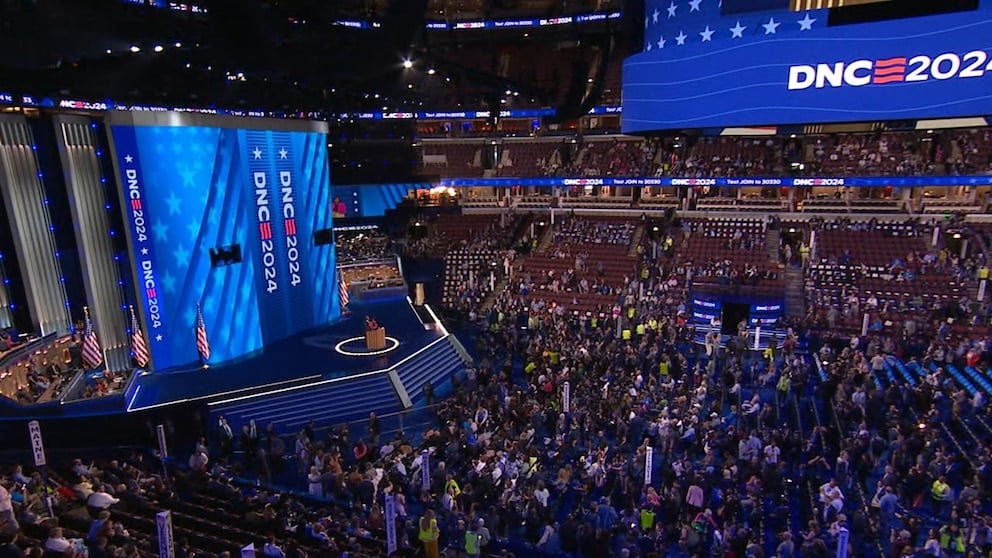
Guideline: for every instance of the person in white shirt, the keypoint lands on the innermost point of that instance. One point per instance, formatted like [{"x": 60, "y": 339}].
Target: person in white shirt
[
  {"x": 100, "y": 500},
  {"x": 7, "y": 508},
  {"x": 772, "y": 452},
  {"x": 56, "y": 542},
  {"x": 542, "y": 494},
  {"x": 831, "y": 497}
]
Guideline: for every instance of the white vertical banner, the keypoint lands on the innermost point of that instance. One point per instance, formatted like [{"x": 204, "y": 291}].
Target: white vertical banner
[
  {"x": 757, "y": 338},
  {"x": 843, "y": 536},
  {"x": 566, "y": 397},
  {"x": 812, "y": 246},
  {"x": 864, "y": 324},
  {"x": 166, "y": 545},
  {"x": 248, "y": 551},
  {"x": 982, "y": 285},
  {"x": 648, "y": 465},
  {"x": 163, "y": 449},
  {"x": 936, "y": 236},
  {"x": 37, "y": 445},
  {"x": 425, "y": 470},
  {"x": 390, "y": 524}
]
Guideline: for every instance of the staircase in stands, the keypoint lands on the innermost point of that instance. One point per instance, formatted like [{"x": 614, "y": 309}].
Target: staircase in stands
[{"x": 795, "y": 299}]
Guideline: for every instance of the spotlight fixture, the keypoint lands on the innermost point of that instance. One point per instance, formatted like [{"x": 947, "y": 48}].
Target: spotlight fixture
[
  {"x": 158, "y": 48},
  {"x": 430, "y": 71},
  {"x": 407, "y": 63},
  {"x": 135, "y": 49}
]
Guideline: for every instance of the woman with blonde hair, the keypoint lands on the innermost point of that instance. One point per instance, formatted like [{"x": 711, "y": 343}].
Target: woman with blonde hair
[{"x": 429, "y": 533}]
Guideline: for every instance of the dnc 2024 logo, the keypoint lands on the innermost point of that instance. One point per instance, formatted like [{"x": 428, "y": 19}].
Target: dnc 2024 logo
[{"x": 899, "y": 69}]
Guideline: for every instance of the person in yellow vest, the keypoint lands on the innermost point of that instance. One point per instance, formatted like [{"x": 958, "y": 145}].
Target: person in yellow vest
[
  {"x": 804, "y": 253},
  {"x": 653, "y": 324},
  {"x": 428, "y": 534},
  {"x": 647, "y": 519},
  {"x": 452, "y": 484},
  {"x": 473, "y": 541},
  {"x": 641, "y": 330},
  {"x": 940, "y": 492},
  {"x": 626, "y": 334}
]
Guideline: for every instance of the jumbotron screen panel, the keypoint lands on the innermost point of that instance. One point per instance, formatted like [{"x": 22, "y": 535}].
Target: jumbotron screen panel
[
  {"x": 739, "y": 63},
  {"x": 194, "y": 195}
]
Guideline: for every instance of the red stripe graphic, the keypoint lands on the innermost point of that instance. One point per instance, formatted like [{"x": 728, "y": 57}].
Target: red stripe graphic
[
  {"x": 890, "y": 71},
  {"x": 889, "y": 79},
  {"x": 891, "y": 62},
  {"x": 151, "y": 293},
  {"x": 265, "y": 230},
  {"x": 291, "y": 227},
  {"x": 136, "y": 204}
]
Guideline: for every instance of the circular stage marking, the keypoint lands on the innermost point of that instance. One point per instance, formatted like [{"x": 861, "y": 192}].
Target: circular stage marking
[{"x": 392, "y": 344}]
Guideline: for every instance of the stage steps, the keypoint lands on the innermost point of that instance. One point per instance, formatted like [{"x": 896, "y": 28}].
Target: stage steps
[
  {"x": 437, "y": 363},
  {"x": 325, "y": 402},
  {"x": 330, "y": 402}
]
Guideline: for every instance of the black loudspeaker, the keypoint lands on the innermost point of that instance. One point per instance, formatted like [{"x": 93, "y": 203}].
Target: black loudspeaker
[
  {"x": 323, "y": 237},
  {"x": 225, "y": 255}
]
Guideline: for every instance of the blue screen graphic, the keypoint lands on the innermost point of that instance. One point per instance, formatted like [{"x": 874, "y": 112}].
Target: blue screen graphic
[
  {"x": 188, "y": 190},
  {"x": 704, "y": 69}
]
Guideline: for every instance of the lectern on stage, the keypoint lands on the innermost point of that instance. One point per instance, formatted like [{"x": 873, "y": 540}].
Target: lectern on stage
[
  {"x": 375, "y": 339},
  {"x": 375, "y": 335}
]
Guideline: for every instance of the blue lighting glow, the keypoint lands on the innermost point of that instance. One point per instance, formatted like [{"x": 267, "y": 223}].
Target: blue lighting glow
[{"x": 279, "y": 288}]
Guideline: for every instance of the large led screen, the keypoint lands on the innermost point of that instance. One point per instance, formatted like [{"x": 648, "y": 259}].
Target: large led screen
[
  {"x": 704, "y": 69},
  {"x": 196, "y": 195}
]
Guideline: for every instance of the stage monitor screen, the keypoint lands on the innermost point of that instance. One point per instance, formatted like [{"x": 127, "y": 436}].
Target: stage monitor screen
[
  {"x": 705, "y": 68},
  {"x": 193, "y": 186}
]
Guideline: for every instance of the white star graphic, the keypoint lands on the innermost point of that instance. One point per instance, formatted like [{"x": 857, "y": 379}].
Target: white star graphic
[
  {"x": 680, "y": 39},
  {"x": 661, "y": 42},
  {"x": 257, "y": 153},
  {"x": 707, "y": 34},
  {"x": 647, "y": 47},
  {"x": 738, "y": 31},
  {"x": 283, "y": 153},
  {"x": 694, "y": 5},
  {"x": 158, "y": 337},
  {"x": 654, "y": 16},
  {"x": 144, "y": 251},
  {"x": 128, "y": 159},
  {"x": 671, "y": 10},
  {"x": 806, "y": 23},
  {"x": 771, "y": 26}
]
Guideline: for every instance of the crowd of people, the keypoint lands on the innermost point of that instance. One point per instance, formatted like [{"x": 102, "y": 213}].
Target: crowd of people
[
  {"x": 362, "y": 246},
  {"x": 916, "y": 153},
  {"x": 604, "y": 433}
]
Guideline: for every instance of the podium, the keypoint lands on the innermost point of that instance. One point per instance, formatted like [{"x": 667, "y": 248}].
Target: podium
[{"x": 375, "y": 339}]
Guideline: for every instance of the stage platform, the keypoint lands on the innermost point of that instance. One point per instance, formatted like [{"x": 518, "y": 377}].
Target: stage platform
[{"x": 326, "y": 353}]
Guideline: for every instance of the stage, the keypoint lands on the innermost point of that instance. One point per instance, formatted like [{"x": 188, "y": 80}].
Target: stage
[{"x": 325, "y": 353}]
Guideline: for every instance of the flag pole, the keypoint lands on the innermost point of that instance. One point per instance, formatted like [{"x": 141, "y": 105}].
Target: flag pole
[{"x": 200, "y": 326}]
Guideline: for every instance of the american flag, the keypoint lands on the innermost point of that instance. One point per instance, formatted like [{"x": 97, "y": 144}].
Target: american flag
[
  {"x": 343, "y": 290},
  {"x": 202, "y": 343},
  {"x": 719, "y": 24},
  {"x": 92, "y": 355},
  {"x": 138, "y": 346}
]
